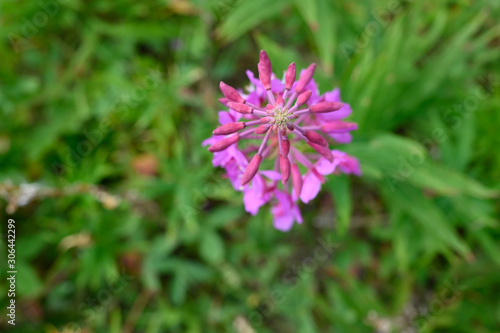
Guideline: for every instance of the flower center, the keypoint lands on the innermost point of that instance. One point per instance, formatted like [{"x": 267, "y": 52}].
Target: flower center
[{"x": 281, "y": 116}]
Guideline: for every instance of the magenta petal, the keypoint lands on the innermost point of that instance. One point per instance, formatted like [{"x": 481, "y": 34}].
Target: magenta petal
[
  {"x": 285, "y": 212},
  {"x": 258, "y": 185},
  {"x": 324, "y": 167},
  {"x": 354, "y": 166},
  {"x": 234, "y": 172},
  {"x": 277, "y": 86},
  {"x": 271, "y": 174},
  {"x": 283, "y": 222},
  {"x": 210, "y": 141},
  {"x": 254, "y": 98},
  {"x": 253, "y": 196},
  {"x": 225, "y": 117},
  {"x": 221, "y": 158},
  {"x": 296, "y": 213},
  {"x": 302, "y": 159},
  {"x": 343, "y": 112},
  {"x": 259, "y": 88},
  {"x": 333, "y": 96},
  {"x": 342, "y": 137},
  {"x": 252, "y": 201},
  {"x": 310, "y": 187},
  {"x": 252, "y": 78},
  {"x": 238, "y": 156},
  {"x": 348, "y": 164},
  {"x": 315, "y": 97},
  {"x": 283, "y": 217}
]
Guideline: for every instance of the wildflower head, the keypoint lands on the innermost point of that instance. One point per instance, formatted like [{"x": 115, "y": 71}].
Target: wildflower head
[{"x": 283, "y": 125}]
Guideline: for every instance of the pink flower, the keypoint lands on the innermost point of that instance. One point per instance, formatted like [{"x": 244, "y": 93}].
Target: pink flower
[
  {"x": 313, "y": 178},
  {"x": 347, "y": 164},
  {"x": 259, "y": 192},
  {"x": 285, "y": 211},
  {"x": 288, "y": 116}
]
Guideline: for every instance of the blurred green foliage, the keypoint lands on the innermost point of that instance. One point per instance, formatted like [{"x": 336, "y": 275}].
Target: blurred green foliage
[{"x": 123, "y": 224}]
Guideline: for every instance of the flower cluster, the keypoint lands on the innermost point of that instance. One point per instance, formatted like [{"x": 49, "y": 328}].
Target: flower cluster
[{"x": 286, "y": 116}]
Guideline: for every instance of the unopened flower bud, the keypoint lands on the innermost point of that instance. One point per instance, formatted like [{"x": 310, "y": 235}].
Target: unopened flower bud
[
  {"x": 224, "y": 143},
  {"x": 224, "y": 100},
  {"x": 239, "y": 107},
  {"x": 285, "y": 146},
  {"x": 229, "y": 128},
  {"x": 296, "y": 179},
  {"x": 251, "y": 169},
  {"x": 303, "y": 98},
  {"x": 284, "y": 168},
  {"x": 290, "y": 75},
  {"x": 316, "y": 138},
  {"x": 231, "y": 93},
  {"x": 280, "y": 101},
  {"x": 338, "y": 126},
  {"x": 326, "y": 107},
  {"x": 305, "y": 78},
  {"x": 264, "y": 76},
  {"x": 324, "y": 151},
  {"x": 261, "y": 129},
  {"x": 264, "y": 59}
]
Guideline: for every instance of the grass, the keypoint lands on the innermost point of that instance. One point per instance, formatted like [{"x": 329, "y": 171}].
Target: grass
[{"x": 123, "y": 225}]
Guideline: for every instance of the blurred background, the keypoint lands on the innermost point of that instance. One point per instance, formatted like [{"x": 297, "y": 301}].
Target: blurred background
[{"x": 123, "y": 225}]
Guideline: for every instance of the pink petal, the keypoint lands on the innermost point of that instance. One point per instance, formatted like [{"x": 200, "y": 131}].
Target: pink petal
[
  {"x": 252, "y": 201},
  {"x": 342, "y": 137},
  {"x": 238, "y": 156},
  {"x": 284, "y": 222},
  {"x": 296, "y": 213},
  {"x": 333, "y": 96},
  {"x": 324, "y": 167},
  {"x": 220, "y": 158},
  {"x": 271, "y": 174},
  {"x": 310, "y": 187},
  {"x": 254, "y": 98},
  {"x": 285, "y": 212},
  {"x": 210, "y": 141},
  {"x": 253, "y": 198},
  {"x": 277, "y": 86},
  {"x": 225, "y": 117},
  {"x": 343, "y": 112}
]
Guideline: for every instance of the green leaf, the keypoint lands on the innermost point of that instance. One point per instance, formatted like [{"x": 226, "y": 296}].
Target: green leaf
[
  {"x": 211, "y": 247},
  {"x": 341, "y": 189},
  {"x": 248, "y": 15},
  {"x": 400, "y": 160},
  {"x": 320, "y": 17},
  {"x": 428, "y": 215},
  {"x": 28, "y": 283}
]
